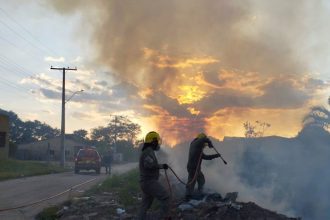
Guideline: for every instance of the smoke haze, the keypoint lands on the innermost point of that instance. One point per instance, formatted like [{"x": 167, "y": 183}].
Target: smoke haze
[
  {"x": 287, "y": 175},
  {"x": 192, "y": 60},
  {"x": 193, "y": 65}
]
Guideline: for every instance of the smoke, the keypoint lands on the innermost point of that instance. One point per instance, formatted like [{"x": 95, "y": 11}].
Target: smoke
[
  {"x": 211, "y": 65},
  {"x": 287, "y": 175},
  {"x": 204, "y": 56}
]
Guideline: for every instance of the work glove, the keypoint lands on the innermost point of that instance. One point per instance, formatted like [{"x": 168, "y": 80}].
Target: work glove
[
  {"x": 210, "y": 144},
  {"x": 165, "y": 166}
]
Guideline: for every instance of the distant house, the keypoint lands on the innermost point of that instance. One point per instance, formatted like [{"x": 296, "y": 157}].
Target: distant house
[
  {"x": 4, "y": 136},
  {"x": 49, "y": 149}
]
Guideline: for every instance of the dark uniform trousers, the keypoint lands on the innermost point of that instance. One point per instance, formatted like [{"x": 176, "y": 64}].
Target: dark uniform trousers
[
  {"x": 153, "y": 189},
  {"x": 200, "y": 181}
]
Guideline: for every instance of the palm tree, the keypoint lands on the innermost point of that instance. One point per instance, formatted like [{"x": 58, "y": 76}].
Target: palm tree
[{"x": 318, "y": 116}]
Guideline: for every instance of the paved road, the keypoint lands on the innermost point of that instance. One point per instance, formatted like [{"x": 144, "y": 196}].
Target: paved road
[{"x": 23, "y": 191}]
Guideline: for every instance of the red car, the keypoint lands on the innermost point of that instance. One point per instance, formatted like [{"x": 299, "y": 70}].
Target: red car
[{"x": 87, "y": 159}]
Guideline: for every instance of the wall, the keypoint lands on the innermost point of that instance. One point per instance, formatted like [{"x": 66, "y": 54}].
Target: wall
[{"x": 4, "y": 137}]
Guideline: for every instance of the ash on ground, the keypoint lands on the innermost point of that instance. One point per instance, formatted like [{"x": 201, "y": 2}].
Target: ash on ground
[{"x": 208, "y": 206}]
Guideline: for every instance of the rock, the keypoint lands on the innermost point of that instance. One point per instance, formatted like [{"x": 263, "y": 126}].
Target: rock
[
  {"x": 236, "y": 206},
  {"x": 195, "y": 203},
  {"x": 213, "y": 197},
  {"x": 185, "y": 206},
  {"x": 120, "y": 211},
  {"x": 231, "y": 196},
  {"x": 87, "y": 216}
]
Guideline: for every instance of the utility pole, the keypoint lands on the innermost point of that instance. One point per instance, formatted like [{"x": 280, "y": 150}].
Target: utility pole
[
  {"x": 63, "y": 112},
  {"x": 115, "y": 144}
]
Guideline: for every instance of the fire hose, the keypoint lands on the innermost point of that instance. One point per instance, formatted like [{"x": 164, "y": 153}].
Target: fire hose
[
  {"x": 196, "y": 171},
  {"x": 48, "y": 198},
  {"x": 195, "y": 175}
]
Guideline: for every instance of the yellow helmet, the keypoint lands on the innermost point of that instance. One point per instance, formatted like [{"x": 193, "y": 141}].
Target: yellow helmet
[
  {"x": 152, "y": 136},
  {"x": 201, "y": 135}
]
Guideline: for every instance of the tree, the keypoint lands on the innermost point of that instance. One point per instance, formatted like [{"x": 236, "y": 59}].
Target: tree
[
  {"x": 119, "y": 128},
  {"x": 80, "y": 135},
  {"x": 254, "y": 131},
  {"x": 120, "y": 132},
  {"x": 318, "y": 116},
  {"x": 25, "y": 132}
]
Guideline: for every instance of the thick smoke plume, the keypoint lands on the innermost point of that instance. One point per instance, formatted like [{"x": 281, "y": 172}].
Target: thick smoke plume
[
  {"x": 212, "y": 65},
  {"x": 203, "y": 57},
  {"x": 287, "y": 175}
]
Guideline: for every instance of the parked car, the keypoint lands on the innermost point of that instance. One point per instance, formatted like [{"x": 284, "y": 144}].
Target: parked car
[{"x": 87, "y": 159}]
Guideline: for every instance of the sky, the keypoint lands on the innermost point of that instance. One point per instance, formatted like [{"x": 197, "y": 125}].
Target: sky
[{"x": 177, "y": 67}]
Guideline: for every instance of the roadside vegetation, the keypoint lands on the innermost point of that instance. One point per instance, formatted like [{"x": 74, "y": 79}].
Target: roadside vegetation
[
  {"x": 118, "y": 191},
  {"x": 125, "y": 185},
  {"x": 10, "y": 169}
]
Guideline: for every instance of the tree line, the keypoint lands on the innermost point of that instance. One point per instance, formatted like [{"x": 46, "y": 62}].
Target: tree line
[{"x": 120, "y": 131}]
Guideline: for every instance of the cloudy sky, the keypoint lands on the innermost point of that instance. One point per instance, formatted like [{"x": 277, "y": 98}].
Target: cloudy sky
[{"x": 178, "y": 67}]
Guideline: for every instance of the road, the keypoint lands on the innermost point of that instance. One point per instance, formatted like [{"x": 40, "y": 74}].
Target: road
[{"x": 28, "y": 190}]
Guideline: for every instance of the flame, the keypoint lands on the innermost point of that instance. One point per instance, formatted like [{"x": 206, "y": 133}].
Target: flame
[
  {"x": 161, "y": 60},
  {"x": 193, "y": 111},
  {"x": 166, "y": 62},
  {"x": 190, "y": 94}
]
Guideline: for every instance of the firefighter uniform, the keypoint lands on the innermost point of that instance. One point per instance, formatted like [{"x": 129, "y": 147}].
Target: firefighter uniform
[
  {"x": 195, "y": 153},
  {"x": 150, "y": 186}
]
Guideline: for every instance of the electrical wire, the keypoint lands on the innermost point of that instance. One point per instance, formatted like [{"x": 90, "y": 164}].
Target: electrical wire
[{"x": 28, "y": 32}]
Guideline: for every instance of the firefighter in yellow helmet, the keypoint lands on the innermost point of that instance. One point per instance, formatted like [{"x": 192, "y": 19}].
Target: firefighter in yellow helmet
[
  {"x": 149, "y": 174},
  {"x": 196, "y": 154}
]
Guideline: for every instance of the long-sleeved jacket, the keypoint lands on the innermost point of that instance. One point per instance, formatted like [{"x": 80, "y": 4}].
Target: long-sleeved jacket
[
  {"x": 148, "y": 165},
  {"x": 196, "y": 149}
]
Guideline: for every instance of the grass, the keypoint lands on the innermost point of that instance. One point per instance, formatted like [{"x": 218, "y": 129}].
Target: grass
[
  {"x": 125, "y": 185},
  {"x": 10, "y": 169},
  {"x": 49, "y": 213}
]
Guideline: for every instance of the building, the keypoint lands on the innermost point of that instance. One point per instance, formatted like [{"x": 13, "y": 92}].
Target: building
[
  {"x": 4, "y": 136},
  {"x": 49, "y": 149}
]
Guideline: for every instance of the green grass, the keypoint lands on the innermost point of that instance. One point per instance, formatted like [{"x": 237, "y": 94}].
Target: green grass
[
  {"x": 49, "y": 213},
  {"x": 10, "y": 169},
  {"x": 126, "y": 185}
]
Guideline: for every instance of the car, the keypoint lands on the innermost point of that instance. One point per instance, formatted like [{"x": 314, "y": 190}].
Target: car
[{"x": 87, "y": 159}]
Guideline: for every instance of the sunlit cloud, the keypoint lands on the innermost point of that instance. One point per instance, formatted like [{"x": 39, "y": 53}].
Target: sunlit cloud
[
  {"x": 55, "y": 59},
  {"x": 228, "y": 62},
  {"x": 190, "y": 94}
]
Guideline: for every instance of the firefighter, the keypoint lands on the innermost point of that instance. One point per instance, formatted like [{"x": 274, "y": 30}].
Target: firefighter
[
  {"x": 196, "y": 156},
  {"x": 149, "y": 174}
]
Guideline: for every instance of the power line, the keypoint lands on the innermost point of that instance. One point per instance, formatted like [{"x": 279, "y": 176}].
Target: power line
[
  {"x": 18, "y": 90},
  {"x": 23, "y": 38},
  {"x": 27, "y": 31},
  {"x": 23, "y": 72}
]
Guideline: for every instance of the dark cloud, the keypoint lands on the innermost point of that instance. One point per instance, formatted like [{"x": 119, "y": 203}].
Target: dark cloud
[
  {"x": 101, "y": 83},
  {"x": 282, "y": 94},
  {"x": 81, "y": 84},
  {"x": 81, "y": 115},
  {"x": 313, "y": 84},
  {"x": 223, "y": 98},
  {"x": 51, "y": 94},
  {"x": 124, "y": 90},
  {"x": 275, "y": 94},
  {"x": 171, "y": 105}
]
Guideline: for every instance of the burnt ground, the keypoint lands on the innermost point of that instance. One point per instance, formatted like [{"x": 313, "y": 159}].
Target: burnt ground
[{"x": 105, "y": 206}]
